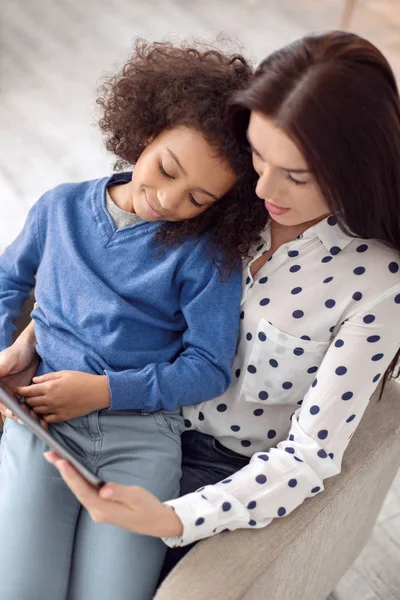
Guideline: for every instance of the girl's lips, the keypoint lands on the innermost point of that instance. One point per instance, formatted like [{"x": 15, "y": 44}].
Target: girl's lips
[
  {"x": 152, "y": 211},
  {"x": 275, "y": 210}
]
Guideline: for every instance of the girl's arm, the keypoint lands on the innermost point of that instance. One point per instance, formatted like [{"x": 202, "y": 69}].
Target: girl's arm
[
  {"x": 202, "y": 371},
  {"x": 18, "y": 364},
  {"x": 21, "y": 354},
  {"x": 18, "y": 266},
  {"x": 53, "y": 396}
]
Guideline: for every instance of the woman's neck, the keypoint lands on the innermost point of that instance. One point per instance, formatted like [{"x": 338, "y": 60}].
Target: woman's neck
[{"x": 282, "y": 234}]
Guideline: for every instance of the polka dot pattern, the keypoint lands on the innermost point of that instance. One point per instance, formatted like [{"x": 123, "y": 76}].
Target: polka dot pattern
[{"x": 317, "y": 333}]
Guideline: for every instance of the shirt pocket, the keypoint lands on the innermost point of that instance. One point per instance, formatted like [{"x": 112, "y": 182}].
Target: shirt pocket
[{"x": 281, "y": 367}]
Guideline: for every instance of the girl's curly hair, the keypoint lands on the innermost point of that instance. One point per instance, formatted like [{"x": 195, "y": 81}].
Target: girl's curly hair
[{"x": 163, "y": 86}]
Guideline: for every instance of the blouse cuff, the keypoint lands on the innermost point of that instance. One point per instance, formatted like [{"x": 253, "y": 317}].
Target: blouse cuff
[{"x": 199, "y": 518}]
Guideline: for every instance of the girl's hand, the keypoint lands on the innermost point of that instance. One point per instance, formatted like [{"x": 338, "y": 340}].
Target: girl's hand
[
  {"x": 18, "y": 364},
  {"x": 21, "y": 356},
  {"x": 131, "y": 508},
  {"x": 65, "y": 395},
  {"x": 7, "y": 414}
]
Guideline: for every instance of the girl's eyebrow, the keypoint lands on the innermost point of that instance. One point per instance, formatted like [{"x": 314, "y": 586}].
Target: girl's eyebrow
[
  {"x": 176, "y": 159},
  {"x": 285, "y": 169}
]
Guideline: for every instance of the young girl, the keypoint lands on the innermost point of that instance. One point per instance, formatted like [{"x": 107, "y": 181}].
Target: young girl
[{"x": 138, "y": 289}]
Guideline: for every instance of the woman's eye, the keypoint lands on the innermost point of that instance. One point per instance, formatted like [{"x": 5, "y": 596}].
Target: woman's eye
[
  {"x": 296, "y": 181},
  {"x": 193, "y": 201},
  {"x": 164, "y": 172}
]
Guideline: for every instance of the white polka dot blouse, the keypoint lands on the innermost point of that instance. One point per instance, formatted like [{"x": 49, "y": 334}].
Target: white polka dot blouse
[{"x": 320, "y": 324}]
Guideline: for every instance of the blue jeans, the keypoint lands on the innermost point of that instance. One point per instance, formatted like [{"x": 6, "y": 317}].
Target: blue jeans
[
  {"x": 50, "y": 549},
  {"x": 204, "y": 462}
]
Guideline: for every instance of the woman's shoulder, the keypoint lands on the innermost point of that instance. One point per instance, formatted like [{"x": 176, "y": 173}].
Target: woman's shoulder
[{"x": 375, "y": 261}]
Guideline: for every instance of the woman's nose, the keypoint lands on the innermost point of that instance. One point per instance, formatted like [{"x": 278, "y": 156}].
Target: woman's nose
[{"x": 266, "y": 187}]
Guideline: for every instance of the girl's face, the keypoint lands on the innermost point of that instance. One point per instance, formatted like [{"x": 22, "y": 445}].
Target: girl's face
[
  {"x": 287, "y": 186},
  {"x": 178, "y": 176}
]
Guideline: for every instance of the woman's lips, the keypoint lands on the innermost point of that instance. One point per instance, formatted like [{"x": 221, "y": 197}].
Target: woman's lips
[{"x": 275, "y": 210}]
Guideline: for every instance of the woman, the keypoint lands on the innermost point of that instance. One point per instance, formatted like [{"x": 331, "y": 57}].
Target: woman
[{"x": 321, "y": 299}]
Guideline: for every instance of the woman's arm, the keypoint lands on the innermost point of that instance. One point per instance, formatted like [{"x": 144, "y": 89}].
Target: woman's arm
[
  {"x": 129, "y": 507},
  {"x": 278, "y": 481}
]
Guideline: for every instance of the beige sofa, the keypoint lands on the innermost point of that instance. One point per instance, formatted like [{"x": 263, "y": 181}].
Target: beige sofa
[{"x": 303, "y": 556}]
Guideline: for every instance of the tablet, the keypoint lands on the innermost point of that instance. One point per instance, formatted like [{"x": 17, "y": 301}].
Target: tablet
[{"x": 47, "y": 438}]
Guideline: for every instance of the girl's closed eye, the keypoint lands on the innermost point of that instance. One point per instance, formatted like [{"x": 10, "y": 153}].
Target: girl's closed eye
[
  {"x": 164, "y": 172},
  {"x": 194, "y": 201}
]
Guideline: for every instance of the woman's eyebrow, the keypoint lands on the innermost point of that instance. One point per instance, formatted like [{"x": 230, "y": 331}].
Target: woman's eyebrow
[
  {"x": 295, "y": 170},
  {"x": 281, "y": 168},
  {"x": 251, "y": 145}
]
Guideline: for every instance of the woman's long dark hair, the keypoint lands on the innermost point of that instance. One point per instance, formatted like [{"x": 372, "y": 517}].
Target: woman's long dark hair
[{"x": 335, "y": 95}]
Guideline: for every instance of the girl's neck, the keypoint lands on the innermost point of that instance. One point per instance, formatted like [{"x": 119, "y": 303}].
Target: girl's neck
[{"x": 121, "y": 196}]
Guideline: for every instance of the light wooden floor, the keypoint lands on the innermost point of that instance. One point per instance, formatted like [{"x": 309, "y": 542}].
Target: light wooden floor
[{"x": 52, "y": 53}]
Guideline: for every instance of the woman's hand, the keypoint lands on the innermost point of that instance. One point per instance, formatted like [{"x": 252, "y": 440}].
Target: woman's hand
[
  {"x": 131, "y": 508},
  {"x": 65, "y": 395}
]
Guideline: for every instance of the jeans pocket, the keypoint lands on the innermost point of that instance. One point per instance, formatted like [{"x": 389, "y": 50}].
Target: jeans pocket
[
  {"x": 227, "y": 453},
  {"x": 170, "y": 423}
]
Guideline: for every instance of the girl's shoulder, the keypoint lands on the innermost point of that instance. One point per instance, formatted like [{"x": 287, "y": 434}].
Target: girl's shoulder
[{"x": 66, "y": 192}]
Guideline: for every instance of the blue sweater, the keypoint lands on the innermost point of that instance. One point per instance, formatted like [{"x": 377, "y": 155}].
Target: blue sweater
[{"x": 159, "y": 323}]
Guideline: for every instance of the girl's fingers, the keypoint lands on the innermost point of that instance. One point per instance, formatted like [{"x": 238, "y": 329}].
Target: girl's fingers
[
  {"x": 46, "y": 377},
  {"x": 29, "y": 391},
  {"x": 36, "y": 401},
  {"x": 10, "y": 415},
  {"x": 42, "y": 410},
  {"x": 52, "y": 418}
]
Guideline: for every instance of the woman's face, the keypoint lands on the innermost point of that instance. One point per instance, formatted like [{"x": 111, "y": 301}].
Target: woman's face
[
  {"x": 178, "y": 176},
  {"x": 287, "y": 186}
]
